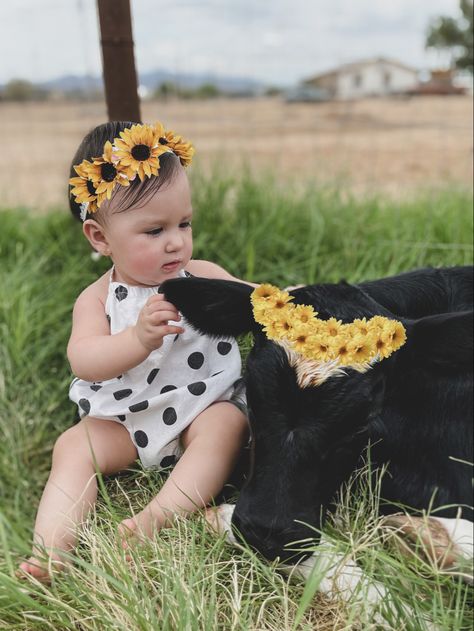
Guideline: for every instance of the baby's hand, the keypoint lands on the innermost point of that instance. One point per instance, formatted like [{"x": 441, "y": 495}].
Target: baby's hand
[{"x": 152, "y": 324}]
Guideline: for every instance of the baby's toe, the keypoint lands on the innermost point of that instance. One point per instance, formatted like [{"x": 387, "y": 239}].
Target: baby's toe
[{"x": 35, "y": 569}]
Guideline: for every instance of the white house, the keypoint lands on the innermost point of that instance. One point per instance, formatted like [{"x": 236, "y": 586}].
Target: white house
[{"x": 373, "y": 77}]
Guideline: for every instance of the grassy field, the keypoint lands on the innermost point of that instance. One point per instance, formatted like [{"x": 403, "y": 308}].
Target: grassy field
[
  {"x": 186, "y": 578},
  {"x": 372, "y": 146}
]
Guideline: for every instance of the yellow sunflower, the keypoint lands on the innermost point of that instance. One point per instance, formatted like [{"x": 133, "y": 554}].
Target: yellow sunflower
[
  {"x": 178, "y": 145},
  {"x": 83, "y": 188},
  {"x": 105, "y": 173},
  {"x": 139, "y": 149}
]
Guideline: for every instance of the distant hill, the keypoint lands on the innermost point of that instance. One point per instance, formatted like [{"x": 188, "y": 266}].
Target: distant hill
[{"x": 151, "y": 80}]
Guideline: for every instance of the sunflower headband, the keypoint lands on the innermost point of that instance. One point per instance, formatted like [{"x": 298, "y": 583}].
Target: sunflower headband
[
  {"x": 136, "y": 152},
  {"x": 299, "y": 331}
]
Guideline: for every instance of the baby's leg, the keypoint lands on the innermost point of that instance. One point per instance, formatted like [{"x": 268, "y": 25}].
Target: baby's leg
[
  {"x": 212, "y": 444},
  {"x": 71, "y": 490}
]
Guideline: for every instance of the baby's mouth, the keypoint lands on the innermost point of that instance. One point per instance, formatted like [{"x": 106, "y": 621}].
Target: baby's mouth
[{"x": 171, "y": 266}]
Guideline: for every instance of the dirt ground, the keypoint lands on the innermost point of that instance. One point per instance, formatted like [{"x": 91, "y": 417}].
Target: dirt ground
[{"x": 379, "y": 145}]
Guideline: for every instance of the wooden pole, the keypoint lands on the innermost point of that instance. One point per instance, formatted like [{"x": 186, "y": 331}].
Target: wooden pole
[{"x": 120, "y": 77}]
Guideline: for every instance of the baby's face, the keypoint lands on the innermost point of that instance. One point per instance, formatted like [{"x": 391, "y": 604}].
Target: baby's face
[{"x": 154, "y": 242}]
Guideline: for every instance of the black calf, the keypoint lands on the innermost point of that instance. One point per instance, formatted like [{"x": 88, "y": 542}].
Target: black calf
[{"x": 415, "y": 407}]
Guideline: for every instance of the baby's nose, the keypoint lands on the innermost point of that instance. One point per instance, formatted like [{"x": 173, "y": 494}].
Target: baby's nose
[{"x": 175, "y": 242}]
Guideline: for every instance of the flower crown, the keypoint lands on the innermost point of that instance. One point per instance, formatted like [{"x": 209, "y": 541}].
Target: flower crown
[
  {"x": 352, "y": 345},
  {"x": 136, "y": 152}
]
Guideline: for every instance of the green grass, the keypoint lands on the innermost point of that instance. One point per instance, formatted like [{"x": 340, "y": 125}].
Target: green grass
[{"x": 187, "y": 578}]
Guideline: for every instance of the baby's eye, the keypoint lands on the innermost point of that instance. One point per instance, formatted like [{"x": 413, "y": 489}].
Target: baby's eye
[
  {"x": 185, "y": 224},
  {"x": 155, "y": 231}
]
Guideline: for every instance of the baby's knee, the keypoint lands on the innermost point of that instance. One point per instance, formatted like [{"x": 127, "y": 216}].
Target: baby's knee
[{"x": 72, "y": 443}]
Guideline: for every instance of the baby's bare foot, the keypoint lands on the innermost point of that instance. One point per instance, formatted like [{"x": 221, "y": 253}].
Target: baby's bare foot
[{"x": 40, "y": 568}]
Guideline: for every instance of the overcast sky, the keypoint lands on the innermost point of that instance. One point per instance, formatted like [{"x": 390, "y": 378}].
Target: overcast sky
[{"x": 276, "y": 41}]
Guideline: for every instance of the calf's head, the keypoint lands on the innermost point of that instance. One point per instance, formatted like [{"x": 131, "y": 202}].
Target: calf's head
[{"x": 306, "y": 439}]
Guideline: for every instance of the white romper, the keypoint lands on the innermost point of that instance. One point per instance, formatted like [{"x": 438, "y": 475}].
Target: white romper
[{"x": 160, "y": 397}]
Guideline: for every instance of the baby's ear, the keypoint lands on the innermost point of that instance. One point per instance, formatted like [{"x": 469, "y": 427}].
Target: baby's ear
[{"x": 215, "y": 307}]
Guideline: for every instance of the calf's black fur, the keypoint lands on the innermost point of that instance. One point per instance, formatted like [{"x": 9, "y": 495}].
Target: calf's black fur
[{"x": 415, "y": 408}]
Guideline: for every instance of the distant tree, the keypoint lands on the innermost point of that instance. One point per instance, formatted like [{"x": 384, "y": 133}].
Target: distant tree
[
  {"x": 166, "y": 89},
  {"x": 19, "y": 90},
  {"x": 207, "y": 91},
  {"x": 455, "y": 34},
  {"x": 273, "y": 90}
]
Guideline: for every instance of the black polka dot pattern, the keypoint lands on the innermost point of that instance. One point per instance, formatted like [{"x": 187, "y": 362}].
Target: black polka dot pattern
[
  {"x": 197, "y": 388},
  {"x": 122, "y": 417},
  {"x": 121, "y": 293},
  {"x": 223, "y": 348},
  {"x": 196, "y": 360},
  {"x": 95, "y": 387},
  {"x": 85, "y": 405},
  {"x": 122, "y": 394},
  {"x": 139, "y": 407},
  {"x": 168, "y": 461},
  {"x": 169, "y": 416},
  {"x": 167, "y": 389},
  {"x": 141, "y": 438},
  {"x": 152, "y": 375}
]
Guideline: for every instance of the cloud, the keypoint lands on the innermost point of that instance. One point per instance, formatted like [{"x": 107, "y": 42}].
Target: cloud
[{"x": 279, "y": 41}]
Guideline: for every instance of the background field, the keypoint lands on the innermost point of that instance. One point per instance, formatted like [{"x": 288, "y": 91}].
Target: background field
[
  {"x": 366, "y": 147},
  {"x": 186, "y": 578}
]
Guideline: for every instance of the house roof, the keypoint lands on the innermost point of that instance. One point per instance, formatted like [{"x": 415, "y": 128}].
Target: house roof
[{"x": 357, "y": 65}]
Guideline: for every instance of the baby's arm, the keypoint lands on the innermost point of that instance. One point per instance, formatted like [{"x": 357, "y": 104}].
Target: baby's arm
[
  {"x": 206, "y": 269},
  {"x": 96, "y": 355}
]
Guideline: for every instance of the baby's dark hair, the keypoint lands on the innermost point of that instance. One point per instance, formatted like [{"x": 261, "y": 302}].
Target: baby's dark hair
[{"x": 138, "y": 192}]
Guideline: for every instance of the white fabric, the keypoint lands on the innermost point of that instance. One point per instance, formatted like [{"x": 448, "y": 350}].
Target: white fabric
[{"x": 160, "y": 397}]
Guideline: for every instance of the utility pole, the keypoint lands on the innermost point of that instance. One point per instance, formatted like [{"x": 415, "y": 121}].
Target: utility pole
[{"x": 120, "y": 77}]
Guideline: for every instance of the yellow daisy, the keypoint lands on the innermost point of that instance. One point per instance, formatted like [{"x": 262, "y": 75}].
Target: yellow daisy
[
  {"x": 304, "y": 314},
  {"x": 377, "y": 323},
  {"x": 318, "y": 348},
  {"x": 283, "y": 321},
  {"x": 383, "y": 345},
  {"x": 361, "y": 326},
  {"x": 333, "y": 327},
  {"x": 299, "y": 336},
  {"x": 264, "y": 292},
  {"x": 362, "y": 348},
  {"x": 342, "y": 349},
  {"x": 396, "y": 333},
  {"x": 139, "y": 149}
]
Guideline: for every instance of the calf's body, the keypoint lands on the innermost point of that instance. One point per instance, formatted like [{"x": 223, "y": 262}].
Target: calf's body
[{"x": 414, "y": 408}]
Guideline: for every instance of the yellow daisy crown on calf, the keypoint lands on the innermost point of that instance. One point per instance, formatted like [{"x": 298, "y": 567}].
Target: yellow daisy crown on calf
[
  {"x": 135, "y": 153},
  {"x": 355, "y": 344}
]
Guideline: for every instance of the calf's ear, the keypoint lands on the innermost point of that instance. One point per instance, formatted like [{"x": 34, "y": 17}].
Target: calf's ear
[
  {"x": 445, "y": 339},
  {"x": 212, "y": 306}
]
